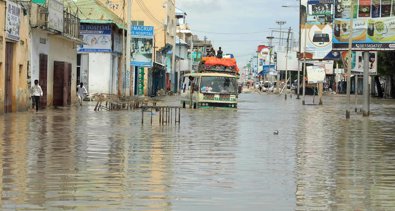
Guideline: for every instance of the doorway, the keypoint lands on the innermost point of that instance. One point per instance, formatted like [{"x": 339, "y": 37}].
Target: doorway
[
  {"x": 9, "y": 57},
  {"x": 43, "y": 64},
  {"x": 62, "y": 84}
]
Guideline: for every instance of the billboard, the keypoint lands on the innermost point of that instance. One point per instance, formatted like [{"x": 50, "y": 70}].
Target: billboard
[
  {"x": 357, "y": 62},
  {"x": 97, "y": 38},
  {"x": 292, "y": 62},
  {"x": 142, "y": 45},
  {"x": 316, "y": 28},
  {"x": 373, "y": 24},
  {"x": 12, "y": 21},
  {"x": 264, "y": 59}
]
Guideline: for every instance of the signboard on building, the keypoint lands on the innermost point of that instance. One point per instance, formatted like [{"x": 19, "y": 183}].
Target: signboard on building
[
  {"x": 316, "y": 28},
  {"x": 13, "y": 21},
  {"x": 55, "y": 15},
  {"x": 373, "y": 25},
  {"x": 142, "y": 46},
  {"x": 140, "y": 81},
  {"x": 97, "y": 38}
]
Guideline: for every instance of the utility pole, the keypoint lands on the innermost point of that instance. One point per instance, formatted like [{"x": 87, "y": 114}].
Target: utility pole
[
  {"x": 128, "y": 40},
  {"x": 280, "y": 45},
  {"x": 300, "y": 31},
  {"x": 304, "y": 67},
  {"x": 349, "y": 63},
  {"x": 281, "y": 23},
  {"x": 286, "y": 64},
  {"x": 270, "y": 38}
]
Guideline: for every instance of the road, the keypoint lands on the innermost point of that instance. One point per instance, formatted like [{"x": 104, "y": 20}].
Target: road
[{"x": 78, "y": 159}]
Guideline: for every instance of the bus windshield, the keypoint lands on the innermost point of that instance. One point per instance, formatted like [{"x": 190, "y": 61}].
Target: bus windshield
[{"x": 218, "y": 84}]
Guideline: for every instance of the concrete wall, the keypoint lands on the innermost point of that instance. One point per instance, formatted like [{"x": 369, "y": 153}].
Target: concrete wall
[
  {"x": 20, "y": 91},
  {"x": 100, "y": 72}
]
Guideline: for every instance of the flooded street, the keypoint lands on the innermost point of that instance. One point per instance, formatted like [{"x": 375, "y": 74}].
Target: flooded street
[{"x": 78, "y": 159}]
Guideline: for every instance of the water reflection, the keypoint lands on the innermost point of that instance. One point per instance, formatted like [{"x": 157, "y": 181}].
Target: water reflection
[{"x": 77, "y": 159}]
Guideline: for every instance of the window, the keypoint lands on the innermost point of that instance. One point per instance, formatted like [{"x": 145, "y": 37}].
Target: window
[{"x": 137, "y": 23}]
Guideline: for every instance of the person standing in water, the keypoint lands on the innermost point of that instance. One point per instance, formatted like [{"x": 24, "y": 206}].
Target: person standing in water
[
  {"x": 81, "y": 92},
  {"x": 36, "y": 92}
]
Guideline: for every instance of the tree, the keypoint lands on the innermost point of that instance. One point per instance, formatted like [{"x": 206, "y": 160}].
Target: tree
[{"x": 386, "y": 68}]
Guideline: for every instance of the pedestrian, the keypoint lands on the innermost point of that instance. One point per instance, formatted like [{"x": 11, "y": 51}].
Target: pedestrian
[
  {"x": 81, "y": 92},
  {"x": 219, "y": 53},
  {"x": 36, "y": 92},
  {"x": 212, "y": 52}
]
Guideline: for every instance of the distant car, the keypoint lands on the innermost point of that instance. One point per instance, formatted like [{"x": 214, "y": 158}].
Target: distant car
[
  {"x": 267, "y": 86},
  {"x": 257, "y": 85}
]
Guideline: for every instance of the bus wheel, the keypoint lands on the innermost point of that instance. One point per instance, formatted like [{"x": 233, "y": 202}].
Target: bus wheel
[{"x": 183, "y": 104}]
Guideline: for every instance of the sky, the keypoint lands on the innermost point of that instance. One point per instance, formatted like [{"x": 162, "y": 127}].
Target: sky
[{"x": 238, "y": 26}]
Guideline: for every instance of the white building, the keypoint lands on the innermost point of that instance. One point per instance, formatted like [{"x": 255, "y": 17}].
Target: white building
[
  {"x": 54, "y": 36},
  {"x": 100, "y": 61}
]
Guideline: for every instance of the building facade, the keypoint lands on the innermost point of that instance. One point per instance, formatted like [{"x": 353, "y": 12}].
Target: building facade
[
  {"x": 161, "y": 15},
  {"x": 54, "y": 26},
  {"x": 100, "y": 57},
  {"x": 14, "y": 62}
]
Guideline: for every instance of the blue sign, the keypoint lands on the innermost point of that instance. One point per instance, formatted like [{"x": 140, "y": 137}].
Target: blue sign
[
  {"x": 97, "y": 38},
  {"x": 142, "y": 46},
  {"x": 142, "y": 31}
]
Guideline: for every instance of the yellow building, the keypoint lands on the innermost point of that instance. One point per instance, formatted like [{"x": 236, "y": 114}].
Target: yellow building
[
  {"x": 161, "y": 14},
  {"x": 14, "y": 35}
]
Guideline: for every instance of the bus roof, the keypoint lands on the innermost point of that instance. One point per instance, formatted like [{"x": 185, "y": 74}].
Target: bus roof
[{"x": 210, "y": 74}]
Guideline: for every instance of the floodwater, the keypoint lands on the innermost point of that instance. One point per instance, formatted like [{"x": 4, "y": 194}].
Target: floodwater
[{"x": 78, "y": 159}]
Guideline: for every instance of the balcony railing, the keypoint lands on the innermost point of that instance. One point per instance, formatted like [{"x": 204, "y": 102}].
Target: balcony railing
[
  {"x": 39, "y": 19},
  {"x": 71, "y": 25}
]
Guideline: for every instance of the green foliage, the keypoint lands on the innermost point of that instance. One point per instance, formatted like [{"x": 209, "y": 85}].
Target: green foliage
[{"x": 386, "y": 63}]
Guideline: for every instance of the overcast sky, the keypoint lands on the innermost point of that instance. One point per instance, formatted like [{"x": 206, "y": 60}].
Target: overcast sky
[{"x": 238, "y": 26}]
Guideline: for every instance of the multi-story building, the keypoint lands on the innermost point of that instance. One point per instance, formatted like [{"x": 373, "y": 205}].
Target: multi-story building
[
  {"x": 100, "y": 60},
  {"x": 14, "y": 62},
  {"x": 54, "y": 35},
  {"x": 161, "y": 15},
  {"x": 184, "y": 46}
]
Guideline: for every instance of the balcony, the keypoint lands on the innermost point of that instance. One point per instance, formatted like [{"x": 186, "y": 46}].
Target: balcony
[{"x": 66, "y": 25}]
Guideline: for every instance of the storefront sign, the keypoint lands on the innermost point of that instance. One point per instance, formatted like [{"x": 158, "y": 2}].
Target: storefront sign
[
  {"x": 13, "y": 21},
  {"x": 142, "y": 46},
  {"x": 373, "y": 25},
  {"x": 55, "y": 15},
  {"x": 97, "y": 38}
]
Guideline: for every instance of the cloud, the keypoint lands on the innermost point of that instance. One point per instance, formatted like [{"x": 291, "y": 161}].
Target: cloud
[
  {"x": 205, "y": 6},
  {"x": 233, "y": 24}
]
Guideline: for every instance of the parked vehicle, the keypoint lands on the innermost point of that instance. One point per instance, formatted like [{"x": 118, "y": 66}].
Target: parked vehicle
[{"x": 267, "y": 86}]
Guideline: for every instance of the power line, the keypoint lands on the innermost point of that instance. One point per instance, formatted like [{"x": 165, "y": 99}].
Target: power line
[
  {"x": 148, "y": 12},
  {"x": 233, "y": 33}
]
